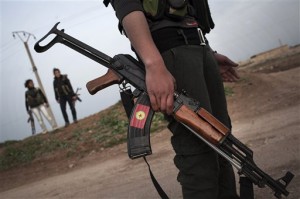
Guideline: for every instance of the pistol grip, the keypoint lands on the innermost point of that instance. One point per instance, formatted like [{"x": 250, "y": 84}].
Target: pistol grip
[{"x": 104, "y": 81}]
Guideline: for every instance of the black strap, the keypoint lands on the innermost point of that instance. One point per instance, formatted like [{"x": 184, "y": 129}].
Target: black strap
[
  {"x": 171, "y": 37},
  {"x": 246, "y": 188},
  {"x": 158, "y": 188}
]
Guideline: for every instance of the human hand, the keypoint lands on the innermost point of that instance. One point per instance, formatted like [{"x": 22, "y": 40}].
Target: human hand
[
  {"x": 159, "y": 81},
  {"x": 160, "y": 87},
  {"x": 74, "y": 98},
  {"x": 227, "y": 68}
]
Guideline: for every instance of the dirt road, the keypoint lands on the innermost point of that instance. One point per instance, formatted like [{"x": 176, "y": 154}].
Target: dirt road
[{"x": 265, "y": 110}]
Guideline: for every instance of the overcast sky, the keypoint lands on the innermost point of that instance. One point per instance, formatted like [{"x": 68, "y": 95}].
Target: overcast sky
[{"x": 243, "y": 28}]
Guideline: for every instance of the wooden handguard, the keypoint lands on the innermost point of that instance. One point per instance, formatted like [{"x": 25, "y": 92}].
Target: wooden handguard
[
  {"x": 199, "y": 125},
  {"x": 213, "y": 121},
  {"x": 104, "y": 81}
]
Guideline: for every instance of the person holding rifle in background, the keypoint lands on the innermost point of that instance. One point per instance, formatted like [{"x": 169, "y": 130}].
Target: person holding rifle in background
[
  {"x": 36, "y": 102},
  {"x": 64, "y": 93}
]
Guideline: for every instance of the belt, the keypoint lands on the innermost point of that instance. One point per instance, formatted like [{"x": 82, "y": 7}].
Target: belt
[{"x": 168, "y": 38}]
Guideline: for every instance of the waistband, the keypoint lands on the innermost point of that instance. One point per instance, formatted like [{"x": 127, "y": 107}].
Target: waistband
[{"x": 168, "y": 38}]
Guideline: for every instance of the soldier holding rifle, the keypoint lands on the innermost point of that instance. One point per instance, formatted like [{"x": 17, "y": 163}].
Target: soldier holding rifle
[{"x": 169, "y": 38}]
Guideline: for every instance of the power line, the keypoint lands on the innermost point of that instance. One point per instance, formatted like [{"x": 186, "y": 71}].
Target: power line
[
  {"x": 72, "y": 17},
  {"x": 8, "y": 45},
  {"x": 10, "y": 55},
  {"x": 84, "y": 21},
  {"x": 69, "y": 18}
]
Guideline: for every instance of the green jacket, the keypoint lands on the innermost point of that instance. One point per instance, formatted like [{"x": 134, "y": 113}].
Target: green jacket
[{"x": 34, "y": 97}]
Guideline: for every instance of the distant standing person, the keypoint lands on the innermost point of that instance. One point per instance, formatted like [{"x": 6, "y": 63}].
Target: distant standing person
[
  {"x": 64, "y": 93},
  {"x": 36, "y": 102}
]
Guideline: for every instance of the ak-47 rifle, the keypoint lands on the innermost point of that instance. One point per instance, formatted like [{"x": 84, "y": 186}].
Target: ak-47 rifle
[
  {"x": 31, "y": 120},
  {"x": 125, "y": 69},
  {"x": 77, "y": 96}
]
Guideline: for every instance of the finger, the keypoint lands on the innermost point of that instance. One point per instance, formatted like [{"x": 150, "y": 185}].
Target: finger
[
  {"x": 163, "y": 104},
  {"x": 234, "y": 76},
  {"x": 162, "y": 99},
  {"x": 170, "y": 104},
  {"x": 226, "y": 77},
  {"x": 231, "y": 77},
  {"x": 153, "y": 102},
  {"x": 231, "y": 63},
  {"x": 234, "y": 73}
]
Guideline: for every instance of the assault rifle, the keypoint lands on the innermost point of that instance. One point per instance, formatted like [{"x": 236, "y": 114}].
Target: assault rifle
[
  {"x": 124, "y": 69},
  {"x": 31, "y": 120},
  {"x": 77, "y": 96}
]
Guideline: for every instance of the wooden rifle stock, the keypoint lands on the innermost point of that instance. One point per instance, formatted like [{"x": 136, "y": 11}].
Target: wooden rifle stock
[{"x": 104, "y": 81}]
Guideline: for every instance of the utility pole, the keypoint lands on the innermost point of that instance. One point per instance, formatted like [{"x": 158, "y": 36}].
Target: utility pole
[{"x": 24, "y": 37}]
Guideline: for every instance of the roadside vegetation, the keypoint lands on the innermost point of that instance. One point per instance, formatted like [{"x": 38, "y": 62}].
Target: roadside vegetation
[{"x": 94, "y": 133}]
